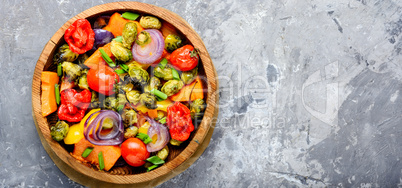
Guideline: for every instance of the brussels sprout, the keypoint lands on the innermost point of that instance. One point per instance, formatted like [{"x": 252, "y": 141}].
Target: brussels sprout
[
  {"x": 129, "y": 117},
  {"x": 133, "y": 96},
  {"x": 121, "y": 100},
  {"x": 148, "y": 100},
  {"x": 94, "y": 100},
  {"x": 150, "y": 22},
  {"x": 175, "y": 142},
  {"x": 65, "y": 54},
  {"x": 189, "y": 76},
  {"x": 172, "y": 87},
  {"x": 154, "y": 83},
  {"x": 59, "y": 131},
  {"x": 143, "y": 38},
  {"x": 197, "y": 107},
  {"x": 73, "y": 71},
  {"x": 82, "y": 81},
  {"x": 138, "y": 75},
  {"x": 127, "y": 87},
  {"x": 165, "y": 73},
  {"x": 110, "y": 103},
  {"x": 120, "y": 52},
  {"x": 130, "y": 132},
  {"x": 163, "y": 153},
  {"x": 172, "y": 42},
  {"x": 129, "y": 34}
]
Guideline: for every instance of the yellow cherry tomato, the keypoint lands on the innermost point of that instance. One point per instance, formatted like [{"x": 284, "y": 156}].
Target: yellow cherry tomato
[{"x": 74, "y": 135}]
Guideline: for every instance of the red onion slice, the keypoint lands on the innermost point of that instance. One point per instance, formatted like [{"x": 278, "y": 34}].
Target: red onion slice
[
  {"x": 151, "y": 52},
  {"x": 161, "y": 131},
  {"x": 114, "y": 137}
]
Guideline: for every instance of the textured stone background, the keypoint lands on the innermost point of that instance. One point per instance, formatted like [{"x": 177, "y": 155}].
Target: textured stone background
[{"x": 310, "y": 92}]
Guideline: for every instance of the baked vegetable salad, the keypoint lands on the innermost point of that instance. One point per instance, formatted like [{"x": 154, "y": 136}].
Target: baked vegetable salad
[{"x": 126, "y": 89}]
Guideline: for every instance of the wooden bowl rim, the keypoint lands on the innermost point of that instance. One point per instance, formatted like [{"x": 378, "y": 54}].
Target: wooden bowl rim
[{"x": 212, "y": 97}]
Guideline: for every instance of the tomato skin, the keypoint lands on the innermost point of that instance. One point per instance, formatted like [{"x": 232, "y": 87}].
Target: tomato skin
[
  {"x": 184, "y": 58},
  {"x": 102, "y": 79},
  {"x": 179, "y": 121},
  {"x": 134, "y": 152}
]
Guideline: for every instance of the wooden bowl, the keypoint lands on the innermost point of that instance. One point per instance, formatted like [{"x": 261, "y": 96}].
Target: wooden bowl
[{"x": 180, "y": 158}]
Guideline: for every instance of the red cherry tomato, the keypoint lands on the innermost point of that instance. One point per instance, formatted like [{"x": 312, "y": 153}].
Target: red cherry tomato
[
  {"x": 102, "y": 79},
  {"x": 179, "y": 121},
  {"x": 134, "y": 152},
  {"x": 184, "y": 58}
]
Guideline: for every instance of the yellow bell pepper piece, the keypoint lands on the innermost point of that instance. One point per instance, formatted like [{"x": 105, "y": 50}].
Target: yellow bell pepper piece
[
  {"x": 161, "y": 105},
  {"x": 82, "y": 123},
  {"x": 144, "y": 128}
]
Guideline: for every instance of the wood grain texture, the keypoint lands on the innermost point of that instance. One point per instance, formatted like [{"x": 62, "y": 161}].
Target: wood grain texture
[{"x": 181, "y": 159}]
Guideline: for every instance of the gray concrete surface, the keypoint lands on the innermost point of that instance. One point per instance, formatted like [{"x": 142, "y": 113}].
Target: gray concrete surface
[{"x": 310, "y": 92}]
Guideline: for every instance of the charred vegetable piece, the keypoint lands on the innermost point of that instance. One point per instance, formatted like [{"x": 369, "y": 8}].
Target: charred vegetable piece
[
  {"x": 110, "y": 103},
  {"x": 59, "y": 131},
  {"x": 197, "y": 107},
  {"x": 163, "y": 73},
  {"x": 150, "y": 22},
  {"x": 189, "y": 76},
  {"x": 172, "y": 42},
  {"x": 81, "y": 59},
  {"x": 175, "y": 142},
  {"x": 82, "y": 81},
  {"x": 95, "y": 100},
  {"x": 65, "y": 54},
  {"x": 129, "y": 117},
  {"x": 130, "y": 132},
  {"x": 172, "y": 87},
  {"x": 138, "y": 75},
  {"x": 143, "y": 38},
  {"x": 133, "y": 96},
  {"x": 120, "y": 52},
  {"x": 148, "y": 100},
  {"x": 73, "y": 71},
  {"x": 101, "y": 21},
  {"x": 163, "y": 153},
  {"x": 129, "y": 34}
]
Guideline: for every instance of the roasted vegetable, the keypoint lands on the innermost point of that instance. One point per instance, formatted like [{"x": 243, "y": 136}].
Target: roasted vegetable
[
  {"x": 143, "y": 38},
  {"x": 120, "y": 52},
  {"x": 165, "y": 73},
  {"x": 121, "y": 100},
  {"x": 48, "y": 99},
  {"x": 163, "y": 153},
  {"x": 82, "y": 81},
  {"x": 80, "y": 36},
  {"x": 129, "y": 117},
  {"x": 59, "y": 131},
  {"x": 189, "y": 76},
  {"x": 172, "y": 42},
  {"x": 73, "y": 71},
  {"x": 175, "y": 142},
  {"x": 154, "y": 83},
  {"x": 94, "y": 100},
  {"x": 160, "y": 115},
  {"x": 129, "y": 34},
  {"x": 133, "y": 96},
  {"x": 100, "y": 22},
  {"x": 172, "y": 87},
  {"x": 127, "y": 87},
  {"x": 138, "y": 75},
  {"x": 64, "y": 54},
  {"x": 195, "y": 89},
  {"x": 197, "y": 107},
  {"x": 130, "y": 132},
  {"x": 150, "y": 22},
  {"x": 148, "y": 100},
  {"x": 110, "y": 103},
  {"x": 81, "y": 59},
  {"x": 102, "y": 37}
]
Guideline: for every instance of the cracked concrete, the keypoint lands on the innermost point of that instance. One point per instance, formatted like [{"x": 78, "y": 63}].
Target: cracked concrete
[{"x": 309, "y": 92}]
